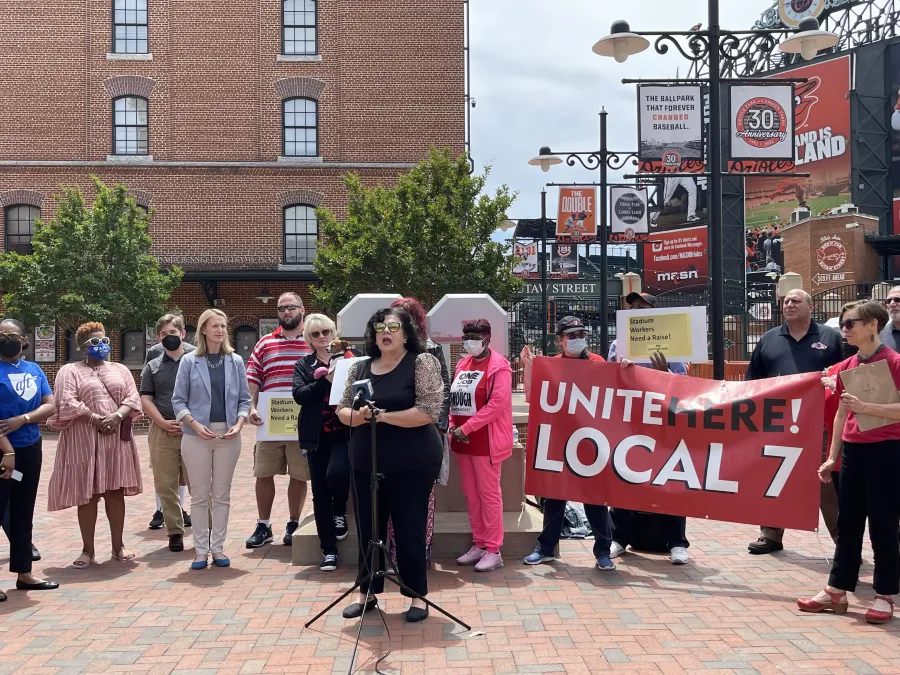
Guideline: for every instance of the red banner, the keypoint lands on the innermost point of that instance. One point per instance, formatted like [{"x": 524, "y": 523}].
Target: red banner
[
  {"x": 743, "y": 452},
  {"x": 676, "y": 259}
]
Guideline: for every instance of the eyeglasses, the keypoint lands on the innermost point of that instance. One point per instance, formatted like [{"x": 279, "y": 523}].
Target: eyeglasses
[
  {"x": 847, "y": 324},
  {"x": 891, "y": 301},
  {"x": 393, "y": 326},
  {"x": 288, "y": 308},
  {"x": 325, "y": 332},
  {"x": 93, "y": 342}
]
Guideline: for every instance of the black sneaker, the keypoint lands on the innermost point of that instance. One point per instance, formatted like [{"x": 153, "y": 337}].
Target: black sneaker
[
  {"x": 261, "y": 536},
  {"x": 292, "y": 526},
  {"x": 340, "y": 527},
  {"x": 187, "y": 518},
  {"x": 329, "y": 563},
  {"x": 156, "y": 522}
]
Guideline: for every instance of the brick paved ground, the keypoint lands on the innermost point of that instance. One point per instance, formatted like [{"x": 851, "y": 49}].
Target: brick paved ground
[{"x": 725, "y": 612}]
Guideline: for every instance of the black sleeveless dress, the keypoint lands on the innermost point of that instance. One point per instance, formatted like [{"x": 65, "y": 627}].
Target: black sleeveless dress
[{"x": 399, "y": 449}]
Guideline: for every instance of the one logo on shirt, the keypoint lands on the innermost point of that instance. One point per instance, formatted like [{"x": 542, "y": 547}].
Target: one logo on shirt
[
  {"x": 24, "y": 384},
  {"x": 819, "y": 345}
]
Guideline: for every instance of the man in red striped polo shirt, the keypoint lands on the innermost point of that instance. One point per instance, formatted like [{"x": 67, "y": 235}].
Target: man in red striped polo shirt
[{"x": 271, "y": 367}]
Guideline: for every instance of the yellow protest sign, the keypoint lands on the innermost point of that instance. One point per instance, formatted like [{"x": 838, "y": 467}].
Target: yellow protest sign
[
  {"x": 280, "y": 413},
  {"x": 678, "y": 333}
]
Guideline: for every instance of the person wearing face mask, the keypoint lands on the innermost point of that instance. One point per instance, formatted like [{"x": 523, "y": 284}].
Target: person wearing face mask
[
  {"x": 96, "y": 456},
  {"x": 572, "y": 338},
  {"x": 481, "y": 437},
  {"x": 25, "y": 400},
  {"x": 157, "y": 386}
]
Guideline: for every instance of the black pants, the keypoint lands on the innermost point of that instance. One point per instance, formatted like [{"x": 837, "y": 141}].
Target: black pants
[
  {"x": 554, "y": 514},
  {"x": 675, "y": 528},
  {"x": 329, "y": 469},
  {"x": 402, "y": 497},
  {"x": 21, "y": 496},
  {"x": 868, "y": 489}
]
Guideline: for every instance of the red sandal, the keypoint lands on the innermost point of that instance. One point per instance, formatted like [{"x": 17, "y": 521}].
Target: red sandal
[
  {"x": 837, "y": 604},
  {"x": 876, "y": 616}
]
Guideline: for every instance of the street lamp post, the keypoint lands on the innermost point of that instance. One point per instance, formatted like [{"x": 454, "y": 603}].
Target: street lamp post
[{"x": 712, "y": 46}]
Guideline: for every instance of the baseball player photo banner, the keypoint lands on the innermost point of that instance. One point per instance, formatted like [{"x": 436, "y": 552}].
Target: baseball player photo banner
[
  {"x": 628, "y": 215},
  {"x": 762, "y": 122},
  {"x": 526, "y": 260},
  {"x": 564, "y": 261},
  {"x": 577, "y": 218},
  {"x": 670, "y": 129}
]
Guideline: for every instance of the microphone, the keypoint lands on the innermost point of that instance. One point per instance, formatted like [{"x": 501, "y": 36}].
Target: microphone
[{"x": 362, "y": 392}]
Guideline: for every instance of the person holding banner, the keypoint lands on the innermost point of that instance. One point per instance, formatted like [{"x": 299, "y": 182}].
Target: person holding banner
[
  {"x": 869, "y": 468},
  {"x": 800, "y": 345},
  {"x": 674, "y": 527},
  {"x": 323, "y": 437},
  {"x": 572, "y": 338},
  {"x": 481, "y": 437},
  {"x": 212, "y": 402}
]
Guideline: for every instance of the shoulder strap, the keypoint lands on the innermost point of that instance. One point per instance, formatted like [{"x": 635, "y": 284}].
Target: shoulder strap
[{"x": 100, "y": 377}]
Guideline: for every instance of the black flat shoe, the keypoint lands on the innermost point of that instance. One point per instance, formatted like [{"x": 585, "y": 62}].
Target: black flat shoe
[
  {"x": 176, "y": 543},
  {"x": 2, "y": 596},
  {"x": 415, "y": 614},
  {"x": 35, "y": 554},
  {"x": 356, "y": 609},
  {"x": 40, "y": 586}
]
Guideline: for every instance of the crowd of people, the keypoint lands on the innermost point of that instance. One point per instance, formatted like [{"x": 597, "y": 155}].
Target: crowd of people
[
  {"x": 763, "y": 251},
  {"x": 199, "y": 397}
]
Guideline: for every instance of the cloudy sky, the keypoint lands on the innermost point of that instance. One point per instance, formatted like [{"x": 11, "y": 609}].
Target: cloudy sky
[{"x": 536, "y": 81}]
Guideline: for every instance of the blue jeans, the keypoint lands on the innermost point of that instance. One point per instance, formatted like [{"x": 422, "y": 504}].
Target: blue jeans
[{"x": 554, "y": 514}]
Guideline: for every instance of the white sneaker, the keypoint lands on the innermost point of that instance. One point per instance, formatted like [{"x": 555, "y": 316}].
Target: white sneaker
[
  {"x": 678, "y": 555},
  {"x": 616, "y": 550}
]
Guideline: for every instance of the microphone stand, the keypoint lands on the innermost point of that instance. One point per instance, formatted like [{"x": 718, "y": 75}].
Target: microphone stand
[{"x": 375, "y": 549}]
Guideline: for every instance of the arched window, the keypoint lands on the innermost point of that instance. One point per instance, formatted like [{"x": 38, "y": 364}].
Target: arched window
[
  {"x": 130, "y": 126},
  {"x": 298, "y": 28},
  {"x": 301, "y": 127},
  {"x": 19, "y": 222},
  {"x": 130, "y": 26},
  {"x": 301, "y": 234}
]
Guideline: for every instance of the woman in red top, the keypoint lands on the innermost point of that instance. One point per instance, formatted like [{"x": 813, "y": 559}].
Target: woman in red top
[
  {"x": 481, "y": 437},
  {"x": 869, "y": 469}
]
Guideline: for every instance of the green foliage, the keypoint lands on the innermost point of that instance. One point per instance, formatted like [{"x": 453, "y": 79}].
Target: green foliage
[
  {"x": 89, "y": 264},
  {"x": 428, "y": 236}
]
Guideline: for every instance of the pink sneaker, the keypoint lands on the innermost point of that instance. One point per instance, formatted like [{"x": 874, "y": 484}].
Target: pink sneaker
[
  {"x": 471, "y": 557},
  {"x": 489, "y": 562}
]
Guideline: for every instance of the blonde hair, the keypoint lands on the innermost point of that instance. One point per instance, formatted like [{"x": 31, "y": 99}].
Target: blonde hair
[
  {"x": 200, "y": 338},
  {"x": 317, "y": 322}
]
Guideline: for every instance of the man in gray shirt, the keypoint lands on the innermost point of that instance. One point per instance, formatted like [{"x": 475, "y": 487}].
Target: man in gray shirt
[{"x": 157, "y": 385}]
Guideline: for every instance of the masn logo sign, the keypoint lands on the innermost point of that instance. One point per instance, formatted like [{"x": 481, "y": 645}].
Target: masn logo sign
[{"x": 678, "y": 277}]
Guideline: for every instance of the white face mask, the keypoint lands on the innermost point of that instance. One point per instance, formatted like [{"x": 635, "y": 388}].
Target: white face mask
[
  {"x": 473, "y": 347},
  {"x": 574, "y": 346}
]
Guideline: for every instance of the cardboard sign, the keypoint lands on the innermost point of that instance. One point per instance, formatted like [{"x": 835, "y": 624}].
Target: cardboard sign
[
  {"x": 280, "y": 414},
  {"x": 678, "y": 333}
]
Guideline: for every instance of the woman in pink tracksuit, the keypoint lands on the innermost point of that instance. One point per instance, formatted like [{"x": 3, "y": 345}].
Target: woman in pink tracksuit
[{"x": 481, "y": 437}]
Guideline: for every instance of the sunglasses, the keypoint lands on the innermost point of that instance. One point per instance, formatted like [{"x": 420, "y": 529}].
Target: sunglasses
[
  {"x": 288, "y": 308},
  {"x": 7, "y": 336},
  {"x": 93, "y": 342},
  {"x": 325, "y": 332},
  {"x": 393, "y": 326},
  {"x": 847, "y": 324},
  {"x": 890, "y": 301}
]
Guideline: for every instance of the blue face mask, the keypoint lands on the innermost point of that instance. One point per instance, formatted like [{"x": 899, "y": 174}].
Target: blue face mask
[{"x": 100, "y": 352}]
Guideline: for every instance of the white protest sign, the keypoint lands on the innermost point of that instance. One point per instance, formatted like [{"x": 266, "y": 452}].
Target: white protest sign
[
  {"x": 339, "y": 382},
  {"x": 678, "y": 333},
  {"x": 462, "y": 393}
]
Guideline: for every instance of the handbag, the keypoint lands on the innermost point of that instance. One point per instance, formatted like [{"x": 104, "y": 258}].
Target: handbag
[{"x": 126, "y": 427}]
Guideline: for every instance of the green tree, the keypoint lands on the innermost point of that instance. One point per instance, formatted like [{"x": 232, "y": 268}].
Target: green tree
[
  {"x": 89, "y": 264},
  {"x": 428, "y": 236}
]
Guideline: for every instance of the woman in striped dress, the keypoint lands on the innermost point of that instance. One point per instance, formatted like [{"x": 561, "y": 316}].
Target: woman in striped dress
[{"x": 96, "y": 456}]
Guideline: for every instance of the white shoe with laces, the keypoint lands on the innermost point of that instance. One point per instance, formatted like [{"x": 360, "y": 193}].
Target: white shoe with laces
[
  {"x": 678, "y": 555},
  {"x": 616, "y": 550}
]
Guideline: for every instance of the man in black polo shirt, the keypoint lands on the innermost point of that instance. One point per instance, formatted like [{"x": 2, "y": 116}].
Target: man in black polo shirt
[
  {"x": 891, "y": 333},
  {"x": 799, "y": 346}
]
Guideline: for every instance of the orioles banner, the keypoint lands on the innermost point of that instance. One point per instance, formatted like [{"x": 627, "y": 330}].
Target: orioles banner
[
  {"x": 576, "y": 219},
  {"x": 636, "y": 438}
]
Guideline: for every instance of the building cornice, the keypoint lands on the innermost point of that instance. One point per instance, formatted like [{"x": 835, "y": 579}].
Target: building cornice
[{"x": 210, "y": 165}]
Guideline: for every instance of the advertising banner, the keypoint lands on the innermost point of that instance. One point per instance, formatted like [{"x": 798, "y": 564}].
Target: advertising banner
[
  {"x": 628, "y": 213},
  {"x": 576, "y": 219},
  {"x": 670, "y": 128},
  {"x": 822, "y": 140},
  {"x": 45, "y": 344},
  {"x": 743, "y": 452},
  {"x": 894, "y": 90},
  {"x": 676, "y": 259},
  {"x": 761, "y": 122},
  {"x": 564, "y": 261},
  {"x": 526, "y": 260}
]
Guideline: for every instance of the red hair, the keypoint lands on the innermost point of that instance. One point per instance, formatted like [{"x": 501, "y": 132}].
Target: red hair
[{"x": 414, "y": 307}]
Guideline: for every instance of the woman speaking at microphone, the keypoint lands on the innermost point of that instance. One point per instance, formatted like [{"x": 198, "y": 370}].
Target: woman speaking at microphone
[{"x": 408, "y": 389}]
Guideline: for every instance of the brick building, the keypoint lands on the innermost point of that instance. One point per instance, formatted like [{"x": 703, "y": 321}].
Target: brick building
[{"x": 231, "y": 120}]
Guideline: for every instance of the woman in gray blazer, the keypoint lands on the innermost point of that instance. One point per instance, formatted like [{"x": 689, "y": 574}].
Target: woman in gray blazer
[{"x": 212, "y": 402}]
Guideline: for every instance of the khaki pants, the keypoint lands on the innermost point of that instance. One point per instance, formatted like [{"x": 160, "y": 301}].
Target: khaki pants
[
  {"x": 828, "y": 504},
  {"x": 168, "y": 473}
]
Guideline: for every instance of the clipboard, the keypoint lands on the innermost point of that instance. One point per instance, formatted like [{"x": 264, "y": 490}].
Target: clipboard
[{"x": 871, "y": 383}]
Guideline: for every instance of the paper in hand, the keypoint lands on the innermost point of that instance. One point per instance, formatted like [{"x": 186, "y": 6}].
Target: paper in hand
[{"x": 871, "y": 383}]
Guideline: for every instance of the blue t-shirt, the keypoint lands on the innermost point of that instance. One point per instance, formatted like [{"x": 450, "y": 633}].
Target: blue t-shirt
[{"x": 22, "y": 386}]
